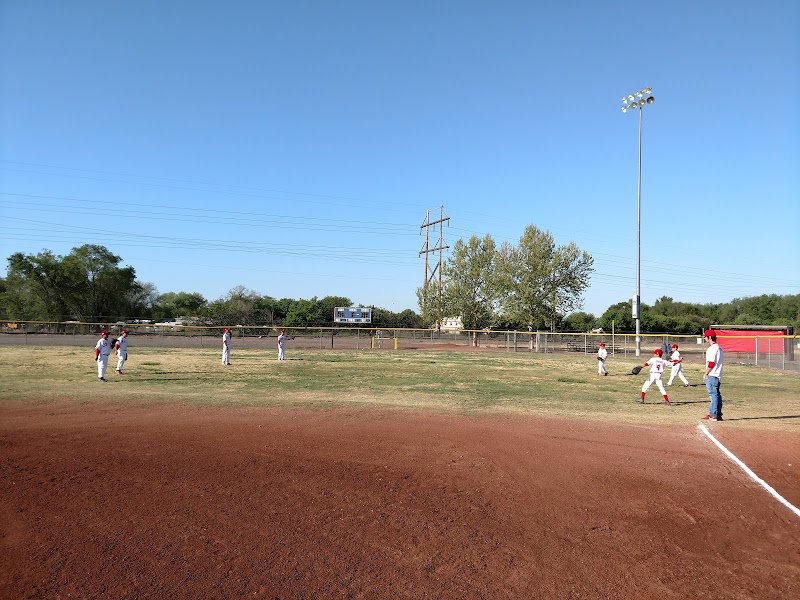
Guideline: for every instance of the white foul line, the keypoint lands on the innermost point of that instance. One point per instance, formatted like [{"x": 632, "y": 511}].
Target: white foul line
[{"x": 747, "y": 470}]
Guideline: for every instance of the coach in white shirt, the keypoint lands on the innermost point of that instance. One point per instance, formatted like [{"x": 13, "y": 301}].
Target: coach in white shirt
[{"x": 713, "y": 375}]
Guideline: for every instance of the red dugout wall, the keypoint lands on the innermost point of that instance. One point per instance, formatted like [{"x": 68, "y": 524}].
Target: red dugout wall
[{"x": 763, "y": 341}]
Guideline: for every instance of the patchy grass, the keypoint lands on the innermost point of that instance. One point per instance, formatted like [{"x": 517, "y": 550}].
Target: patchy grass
[{"x": 464, "y": 382}]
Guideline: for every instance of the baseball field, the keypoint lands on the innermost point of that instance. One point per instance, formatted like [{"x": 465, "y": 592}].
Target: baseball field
[{"x": 444, "y": 473}]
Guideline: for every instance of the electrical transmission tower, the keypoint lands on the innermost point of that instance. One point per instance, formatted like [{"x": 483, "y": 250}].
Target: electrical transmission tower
[{"x": 440, "y": 246}]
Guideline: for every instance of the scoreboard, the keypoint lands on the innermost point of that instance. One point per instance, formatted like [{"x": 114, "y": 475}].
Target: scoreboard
[{"x": 352, "y": 314}]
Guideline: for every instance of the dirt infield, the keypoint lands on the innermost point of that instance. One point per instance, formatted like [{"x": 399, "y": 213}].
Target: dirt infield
[{"x": 102, "y": 500}]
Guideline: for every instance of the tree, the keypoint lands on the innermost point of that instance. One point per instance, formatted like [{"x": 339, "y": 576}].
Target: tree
[
  {"x": 41, "y": 286},
  {"x": 236, "y": 308},
  {"x": 579, "y": 321},
  {"x": 87, "y": 283},
  {"x": 100, "y": 286},
  {"x": 171, "y": 305},
  {"x": 141, "y": 300},
  {"x": 328, "y": 303},
  {"x": 304, "y": 313},
  {"x": 570, "y": 271},
  {"x": 431, "y": 301},
  {"x": 469, "y": 283},
  {"x": 618, "y": 317},
  {"x": 525, "y": 277}
]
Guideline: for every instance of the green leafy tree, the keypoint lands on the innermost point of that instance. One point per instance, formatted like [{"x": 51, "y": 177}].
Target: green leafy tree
[
  {"x": 236, "y": 308},
  {"x": 328, "y": 303},
  {"x": 102, "y": 285},
  {"x": 525, "y": 278},
  {"x": 570, "y": 270},
  {"x": 618, "y": 317},
  {"x": 469, "y": 284},
  {"x": 42, "y": 286},
  {"x": 304, "y": 313},
  {"x": 579, "y": 321},
  {"x": 140, "y": 300},
  {"x": 171, "y": 305},
  {"x": 88, "y": 283},
  {"x": 409, "y": 319},
  {"x": 431, "y": 301}
]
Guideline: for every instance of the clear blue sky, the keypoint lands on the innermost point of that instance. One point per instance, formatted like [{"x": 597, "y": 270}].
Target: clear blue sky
[{"x": 295, "y": 147}]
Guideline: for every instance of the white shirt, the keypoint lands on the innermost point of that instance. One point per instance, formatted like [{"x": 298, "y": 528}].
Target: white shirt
[
  {"x": 104, "y": 346},
  {"x": 122, "y": 344},
  {"x": 714, "y": 355},
  {"x": 602, "y": 353},
  {"x": 656, "y": 364},
  {"x": 675, "y": 356}
]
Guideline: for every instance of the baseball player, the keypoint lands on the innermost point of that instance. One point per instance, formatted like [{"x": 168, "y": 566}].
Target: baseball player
[
  {"x": 657, "y": 365},
  {"x": 101, "y": 351},
  {"x": 602, "y": 354},
  {"x": 677, "y": 368},
  {"x": 121, "y": 348},
  {"x": 282, "y": 345},
  {"x": 226, "y": 347}
]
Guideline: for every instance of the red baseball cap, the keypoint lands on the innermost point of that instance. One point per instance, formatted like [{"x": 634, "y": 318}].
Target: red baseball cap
[
  {"x": 123, "y": 331},
  {"x": 602, "y": 344},
  {"x": 674, "y": 346},
  {"x": 104, "y": 332},
  {"x": 709, "y": 333}
]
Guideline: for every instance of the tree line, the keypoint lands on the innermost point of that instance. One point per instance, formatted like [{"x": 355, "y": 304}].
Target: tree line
[
  {"x": 89, "y": 284},
  {"x": 535, "y": 285},
  {"x": 528, "y": 286}
]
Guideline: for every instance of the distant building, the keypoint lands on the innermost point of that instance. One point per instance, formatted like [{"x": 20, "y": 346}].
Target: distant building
[{"x": 451, "y": 324}]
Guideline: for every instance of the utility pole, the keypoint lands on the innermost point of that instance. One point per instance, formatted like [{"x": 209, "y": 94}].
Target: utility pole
[{"x": 440, "y": 246}]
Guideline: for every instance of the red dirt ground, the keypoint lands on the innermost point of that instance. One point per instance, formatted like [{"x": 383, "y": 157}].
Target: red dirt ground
[{"x": 179, "y": 502}]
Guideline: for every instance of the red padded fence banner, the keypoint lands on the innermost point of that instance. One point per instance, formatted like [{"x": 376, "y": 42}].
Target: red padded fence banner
[{"x": 748, "y": 344}]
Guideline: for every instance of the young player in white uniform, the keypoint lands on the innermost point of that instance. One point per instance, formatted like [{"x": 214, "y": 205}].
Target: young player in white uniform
[
  {"x": 602, "y": 354},
  {"x": 226, "y": 347},
  {"x": 122, "y": 350},
  {"x": 282, "y": 346},
  {"x": 677, "y": 369},
  {"x": 657, "y": 366},
  {"x": 101, "y": 351}
]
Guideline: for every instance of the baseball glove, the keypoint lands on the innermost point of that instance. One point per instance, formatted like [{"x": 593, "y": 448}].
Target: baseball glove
[{"x": 635, "y": 370}]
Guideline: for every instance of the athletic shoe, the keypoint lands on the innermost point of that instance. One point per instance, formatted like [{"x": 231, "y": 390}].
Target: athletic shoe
[
  {"x": 604, "y": 374},
  {"x": 669, "y": 384},
  {"x": 640, "y": 400},
  {"x": 710, "y": 418},
  {"x": 101, "y": 379},
  {"x": 667, "y": 402},
  {"x": 685, "y": 385}
]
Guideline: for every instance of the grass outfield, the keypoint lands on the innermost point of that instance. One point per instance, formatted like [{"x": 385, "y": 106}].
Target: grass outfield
[{"x": 459, "y": 382}]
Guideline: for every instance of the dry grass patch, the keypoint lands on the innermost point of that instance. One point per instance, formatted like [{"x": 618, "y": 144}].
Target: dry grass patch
[{"x": 472, "y": 383}]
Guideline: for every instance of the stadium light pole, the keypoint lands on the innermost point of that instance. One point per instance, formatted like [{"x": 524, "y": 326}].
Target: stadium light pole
[{"x": 632, "y": 102}]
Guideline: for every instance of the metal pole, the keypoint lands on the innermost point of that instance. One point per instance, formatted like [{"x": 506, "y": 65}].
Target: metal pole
[{"x": 639, "y": 244}]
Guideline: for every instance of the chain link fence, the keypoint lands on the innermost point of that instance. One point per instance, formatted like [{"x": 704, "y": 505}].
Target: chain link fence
[{"x": 776, "y": 352}]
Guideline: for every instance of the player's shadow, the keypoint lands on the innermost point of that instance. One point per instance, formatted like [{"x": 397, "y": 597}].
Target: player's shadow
[
  {"x": 682, "y": 402},
  {"x": 759, "y": 418}
]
